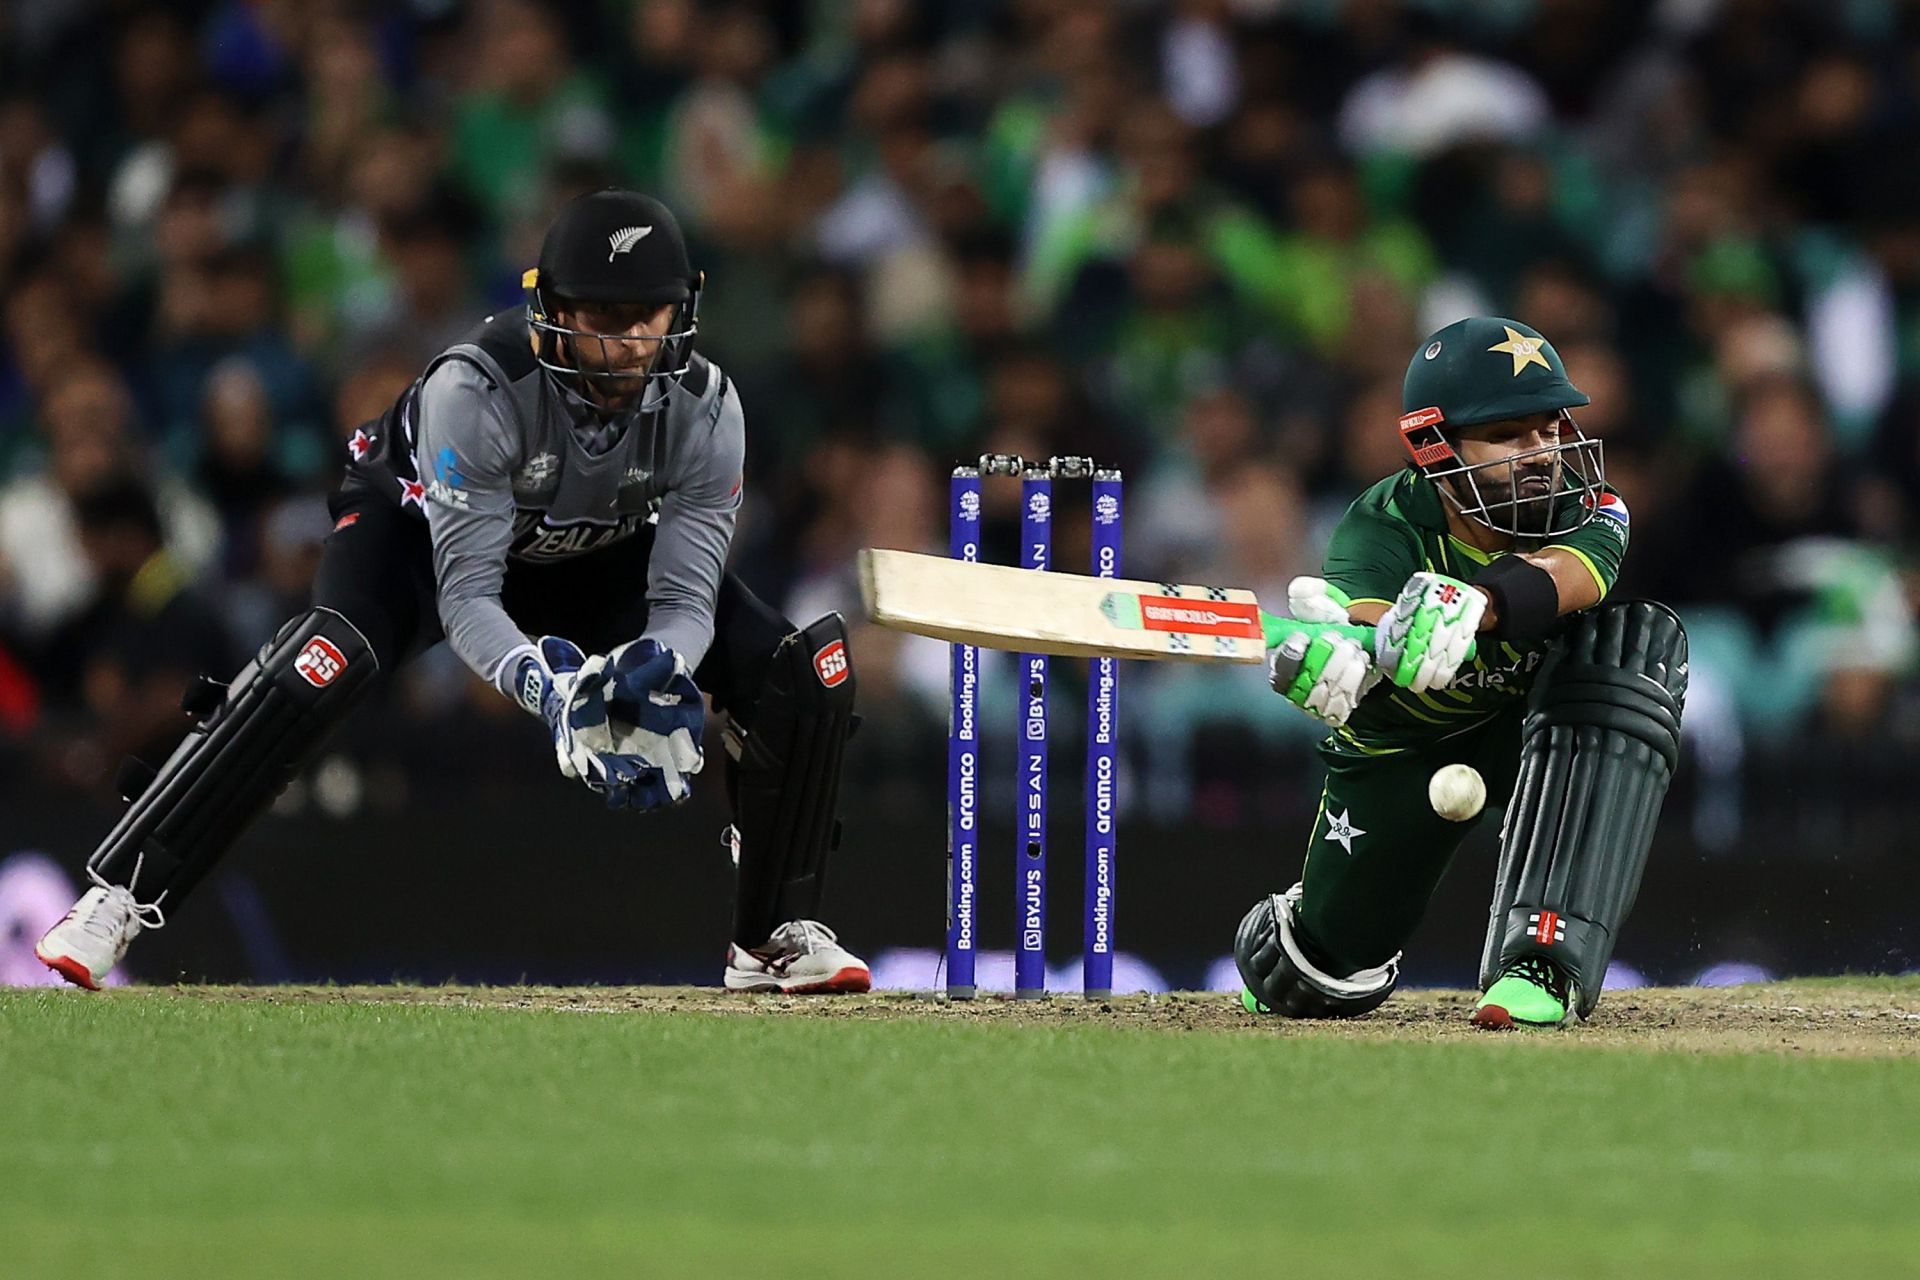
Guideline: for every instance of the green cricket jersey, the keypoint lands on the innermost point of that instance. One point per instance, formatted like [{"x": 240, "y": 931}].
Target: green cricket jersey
[{"x": 1398, "y": 528}]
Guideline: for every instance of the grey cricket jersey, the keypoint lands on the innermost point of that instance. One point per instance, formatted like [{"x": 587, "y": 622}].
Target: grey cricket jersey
[{"x": 495, "y": 456}]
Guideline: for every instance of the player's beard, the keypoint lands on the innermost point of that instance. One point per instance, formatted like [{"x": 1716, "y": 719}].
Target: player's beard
[
  {"x": 1520, "y": 497},
  {"x": 614, "y": 396},
  {"x": 610, "y": 396}
]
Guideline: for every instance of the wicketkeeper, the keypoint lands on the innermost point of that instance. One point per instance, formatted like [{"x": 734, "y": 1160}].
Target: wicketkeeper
[
  {"x": 1484, "y": 568},
  {"x": 554, "y": 496}
]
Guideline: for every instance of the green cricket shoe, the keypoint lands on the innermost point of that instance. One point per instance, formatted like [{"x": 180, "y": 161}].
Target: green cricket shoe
[
  {"x": 1531, "y": 993},
  {"x": 1251, "y": 1003}
]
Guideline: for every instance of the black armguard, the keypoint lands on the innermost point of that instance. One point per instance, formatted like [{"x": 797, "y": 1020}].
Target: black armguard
[{"x": 1524, "y": 594}]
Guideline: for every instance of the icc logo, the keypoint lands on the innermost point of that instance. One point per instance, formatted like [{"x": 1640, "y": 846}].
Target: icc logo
[
  {"x": 970, "y": 506},
  {"x": 1106, "y": 508},
  {"x": 1039, "y": 506}
]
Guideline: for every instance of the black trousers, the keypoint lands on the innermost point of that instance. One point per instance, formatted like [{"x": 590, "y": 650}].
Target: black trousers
[{"x": 377, "y": 571}]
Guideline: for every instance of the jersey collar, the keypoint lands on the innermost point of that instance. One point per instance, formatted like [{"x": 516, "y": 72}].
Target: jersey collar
[{"x": 1419, "y": 503}]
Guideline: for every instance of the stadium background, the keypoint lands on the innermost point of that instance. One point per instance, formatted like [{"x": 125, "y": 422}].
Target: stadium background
[{"x": 1195, "y": 239}]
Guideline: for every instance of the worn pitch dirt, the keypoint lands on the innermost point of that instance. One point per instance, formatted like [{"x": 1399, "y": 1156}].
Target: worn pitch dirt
[{"x": 1872, "y": 1018}]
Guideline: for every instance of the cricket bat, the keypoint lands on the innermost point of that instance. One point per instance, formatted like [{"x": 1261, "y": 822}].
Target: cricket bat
[{"x": 998, "y": 606}]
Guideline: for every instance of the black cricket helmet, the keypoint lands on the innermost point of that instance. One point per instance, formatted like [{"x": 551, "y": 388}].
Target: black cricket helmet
[
  {"x": 1491, "y": 369},
  {"x": 613, "y": 248}
]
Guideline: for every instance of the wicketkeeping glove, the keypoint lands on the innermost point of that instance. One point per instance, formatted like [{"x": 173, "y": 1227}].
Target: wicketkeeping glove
[
  {"x": 543, "y": 680},
  {"x": 653, "y": 712},
  {"x": 547, "y": 683},
  {"x": 1322, "y": 668},
  {"x": 1427, "y": 635}
]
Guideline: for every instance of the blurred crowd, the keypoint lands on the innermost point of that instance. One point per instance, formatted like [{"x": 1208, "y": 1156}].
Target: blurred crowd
[{"x": 1195, "y": 239}]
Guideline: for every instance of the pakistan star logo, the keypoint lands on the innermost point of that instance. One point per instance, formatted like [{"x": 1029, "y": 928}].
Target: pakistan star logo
[
  {"x": 1340, "y": 827},
  {"x": 1524, "y": 350}
]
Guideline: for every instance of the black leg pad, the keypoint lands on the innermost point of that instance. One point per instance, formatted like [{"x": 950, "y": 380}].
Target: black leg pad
[
  {"x": 271, "y": 721},
  {"x": 1597, "y": 754},
  {"x": 1282, "y": 977},
  {"x": 787, "y": 794}
]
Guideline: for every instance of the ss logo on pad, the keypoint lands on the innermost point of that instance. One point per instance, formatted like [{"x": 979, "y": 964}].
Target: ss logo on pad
[
  {"x": 320, "y": 662},
  {"x": 830, "y": 664}
]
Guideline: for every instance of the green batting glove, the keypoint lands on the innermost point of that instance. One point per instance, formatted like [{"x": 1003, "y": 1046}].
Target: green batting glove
[
  {"x": 1427, "y": 636},
  {"x": 1319, "y": 606},
  {"x": 1322, "y": 670},
  {"x": 1319, "y": 661}
]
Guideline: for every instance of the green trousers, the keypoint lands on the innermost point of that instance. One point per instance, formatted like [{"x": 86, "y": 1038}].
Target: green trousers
[{"x": 1378, "y": 848}]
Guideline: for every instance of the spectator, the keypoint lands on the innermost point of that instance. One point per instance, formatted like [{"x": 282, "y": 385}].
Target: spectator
[
  {"x": 1304, "y": 278},
  {"x": 1193, "y": 238},
  {"x": 229, "y": 306},
  {"x": 1179, "y": 507},
  {"x": 433, "y": 303},
  {"x": 145, "y": 636},
  {"x": 1739, "y": 516},
  {"x": 942, "y": 368},
  {"x": 87, "y": 419},
  {"x": 526, "y": 101},
  {"x": 1440, "y": 95},
  {"x": 291, "y": 533},
  {"x": 238, "y": 471},
  {"x": 1170, "y": 328}
]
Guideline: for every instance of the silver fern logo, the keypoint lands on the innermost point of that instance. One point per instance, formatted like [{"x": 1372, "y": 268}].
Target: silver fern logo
[{"x": 623, "y": 240}]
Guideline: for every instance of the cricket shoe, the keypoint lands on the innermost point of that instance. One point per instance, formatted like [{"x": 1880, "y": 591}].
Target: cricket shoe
[
  {"x": 93, "y": 937},
  {"x": 1532, "y": 992},
  {"x": 802, "y": 957}
]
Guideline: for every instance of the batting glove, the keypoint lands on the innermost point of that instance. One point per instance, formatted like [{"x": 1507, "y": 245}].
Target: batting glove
[
  {"x": 1427, "y": 635},
  {"x": 1322, "y": 671}
]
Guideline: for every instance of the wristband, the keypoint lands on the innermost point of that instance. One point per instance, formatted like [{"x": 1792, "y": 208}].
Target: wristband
[{"x": 1525, "y": 598}]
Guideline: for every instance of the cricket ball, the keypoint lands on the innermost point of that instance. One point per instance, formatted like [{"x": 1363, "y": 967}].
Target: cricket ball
[{"x": 1457, "y": 793}]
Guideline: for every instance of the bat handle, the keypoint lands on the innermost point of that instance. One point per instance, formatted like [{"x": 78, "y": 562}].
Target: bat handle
[{"x": 1276, "y": 629}]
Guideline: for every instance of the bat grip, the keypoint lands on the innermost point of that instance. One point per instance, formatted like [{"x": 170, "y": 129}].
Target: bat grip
[{"x": 1275, "y": 631}]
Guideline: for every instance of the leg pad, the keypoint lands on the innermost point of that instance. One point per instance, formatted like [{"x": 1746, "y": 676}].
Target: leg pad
[
  {"x": 787, "y": 782},
  {"x": 1277, "y": 971},
  {"x": 271, "y": 720},
  {"x": 1601, "y": 742}
]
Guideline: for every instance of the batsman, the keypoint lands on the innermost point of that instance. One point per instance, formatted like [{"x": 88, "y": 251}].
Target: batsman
[{"x": 1484, "y": 568}]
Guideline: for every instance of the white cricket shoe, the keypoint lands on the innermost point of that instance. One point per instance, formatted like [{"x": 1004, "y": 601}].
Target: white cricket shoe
[
  {"x": 92, "y": 938},
  {"x": 802, "y": 957}
]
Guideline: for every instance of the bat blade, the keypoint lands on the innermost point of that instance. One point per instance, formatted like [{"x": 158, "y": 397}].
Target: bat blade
[{"x": 1065, "y": 614}]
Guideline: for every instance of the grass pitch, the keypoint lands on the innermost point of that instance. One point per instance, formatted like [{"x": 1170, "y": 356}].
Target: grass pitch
[{"x": 517, "y": 1132}]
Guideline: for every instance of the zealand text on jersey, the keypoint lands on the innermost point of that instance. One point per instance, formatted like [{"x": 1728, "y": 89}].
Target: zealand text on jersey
[{"x": 536, "y": 539}]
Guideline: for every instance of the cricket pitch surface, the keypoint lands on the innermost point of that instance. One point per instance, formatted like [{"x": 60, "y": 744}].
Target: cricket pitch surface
[{"x": 518, "y": 1131}]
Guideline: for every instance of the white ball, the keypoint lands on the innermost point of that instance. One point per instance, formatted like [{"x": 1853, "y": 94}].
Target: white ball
[{"x": 1457, "y": 793}]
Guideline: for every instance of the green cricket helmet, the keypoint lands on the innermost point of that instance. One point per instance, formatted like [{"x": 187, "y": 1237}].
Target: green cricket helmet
[{"x": 1491, "y": 369}]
